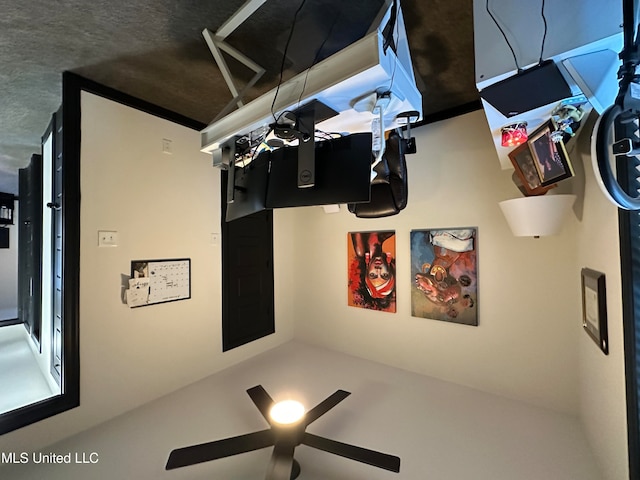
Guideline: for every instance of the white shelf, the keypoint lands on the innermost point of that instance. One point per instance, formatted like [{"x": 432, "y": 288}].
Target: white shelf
[{"x": 584, "y": 44}]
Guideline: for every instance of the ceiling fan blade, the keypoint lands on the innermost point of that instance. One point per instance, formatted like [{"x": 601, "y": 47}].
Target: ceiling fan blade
[
  {"x": 326, "y": 405},
  {"x": 364, "y": 455},
  {"x": 262, "y": 400},
  {"x": 281, "y": 463},
  {"x": 204, "y": 452}
]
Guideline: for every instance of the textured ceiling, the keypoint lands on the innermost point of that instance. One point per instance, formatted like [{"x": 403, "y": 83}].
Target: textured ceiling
[{"x": 154, "y": 50}]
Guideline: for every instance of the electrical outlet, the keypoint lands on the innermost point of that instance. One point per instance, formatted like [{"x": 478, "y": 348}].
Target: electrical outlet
[{"x": 107, "y": 238}]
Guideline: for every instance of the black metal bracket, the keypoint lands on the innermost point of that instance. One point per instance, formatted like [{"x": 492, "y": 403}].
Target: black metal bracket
[
  {"x": 304, "y": 130},
  {"x": 408, "y": 140},
  {"x": 228, "y": 161},
  {"x": 306, "y": 125}
]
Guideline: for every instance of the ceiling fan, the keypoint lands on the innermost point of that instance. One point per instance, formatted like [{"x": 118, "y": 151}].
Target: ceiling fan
[{"x": 286, "y": 432}]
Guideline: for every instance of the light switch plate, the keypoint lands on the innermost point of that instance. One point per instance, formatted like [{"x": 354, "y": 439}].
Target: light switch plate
[
  {"x": 107, "y": 238},
  {"x": 166, "y": 146}
]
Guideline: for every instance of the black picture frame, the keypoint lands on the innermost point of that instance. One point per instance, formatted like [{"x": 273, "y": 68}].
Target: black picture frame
[
  {"x": 169, "y": 279},
  {"x": 550, "y": 158},
  {"x": 594, "y": 308}
]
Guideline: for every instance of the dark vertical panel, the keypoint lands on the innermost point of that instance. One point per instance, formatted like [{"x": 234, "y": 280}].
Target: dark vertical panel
[
  {"x": 69, "y": 117},
  {"x": 30, "y": 250},
  {"x": 24, "y": 257},
  {"x": 247, "y": 276},
  {"x": 629, "y": 222},
  {"x": 56, "y": 360}
]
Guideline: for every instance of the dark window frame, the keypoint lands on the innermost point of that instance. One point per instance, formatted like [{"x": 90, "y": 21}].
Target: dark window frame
[{"x": 629, "y": 227}]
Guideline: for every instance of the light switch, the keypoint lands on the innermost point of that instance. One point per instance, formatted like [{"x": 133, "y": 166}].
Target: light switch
[{"x": 166, "y": 146}]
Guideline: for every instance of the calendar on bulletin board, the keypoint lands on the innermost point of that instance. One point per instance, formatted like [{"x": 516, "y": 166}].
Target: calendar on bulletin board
[{"x": 159, "y": 281}]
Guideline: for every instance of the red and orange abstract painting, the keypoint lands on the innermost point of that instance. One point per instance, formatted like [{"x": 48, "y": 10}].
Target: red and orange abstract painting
[{"x": 372, "y": 270}]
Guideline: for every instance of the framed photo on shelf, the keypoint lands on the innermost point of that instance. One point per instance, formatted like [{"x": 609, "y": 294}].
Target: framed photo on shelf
[
  {"x": 594, "y": 308},
  {"x": 550, "y": 158},
  {"x": 526, "y": 170}
]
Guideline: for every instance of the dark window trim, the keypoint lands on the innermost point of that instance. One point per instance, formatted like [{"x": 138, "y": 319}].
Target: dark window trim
[
  {"x": 629, "y": 225},
  {"x": 91, "y": 86},
  {"x": 10, "y": 321},
  {"x": 70, "y": 397},
  {"x": 450, "y": 113}
]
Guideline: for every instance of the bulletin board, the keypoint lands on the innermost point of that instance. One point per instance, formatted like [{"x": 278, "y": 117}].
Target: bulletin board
[{"x": 160, "y": 281}]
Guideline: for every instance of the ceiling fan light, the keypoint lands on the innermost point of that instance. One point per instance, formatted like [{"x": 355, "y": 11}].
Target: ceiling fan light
[
  {"x": 287, "y": 412},
  {"x": 514, "y": 134}
]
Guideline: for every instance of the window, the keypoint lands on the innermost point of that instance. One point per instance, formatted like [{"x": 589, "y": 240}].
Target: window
[{"x": 629, "y": 177}]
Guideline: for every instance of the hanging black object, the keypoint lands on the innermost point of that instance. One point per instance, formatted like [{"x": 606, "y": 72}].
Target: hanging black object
[
  {"x": 522, "y": 92},
  {"x": 284, "y": 439},
  {"x": 4, "y": 237}
]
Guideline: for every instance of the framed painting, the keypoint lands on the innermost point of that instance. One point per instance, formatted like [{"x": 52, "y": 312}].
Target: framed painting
[
  {"x": 444, "y": 275},
  {"x": 550, "y": 158},
  {"x": 594, "y": 308},
  {"x": 371, "y": 267},
  {"x": 526, "y": 171}
]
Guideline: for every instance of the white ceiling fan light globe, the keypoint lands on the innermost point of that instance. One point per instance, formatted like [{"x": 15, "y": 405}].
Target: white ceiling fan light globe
[{"x": 287, "y": 412}]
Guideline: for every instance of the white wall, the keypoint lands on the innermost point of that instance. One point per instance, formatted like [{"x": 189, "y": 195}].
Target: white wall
[
  {"x": 9, "y": 273},
  {"x": 529, "y": 344},
  {"x": 525, "y": 346},
  {"x": 163, "y": 206},
  {"x": 602, "y": 378}
]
